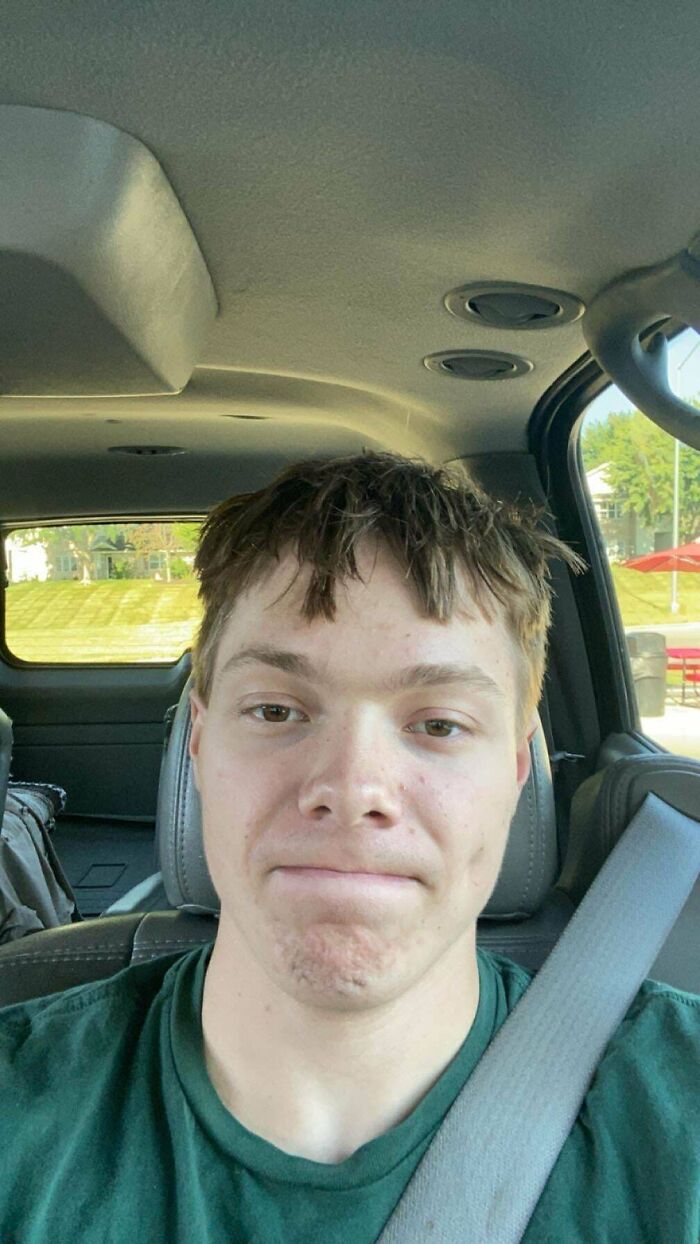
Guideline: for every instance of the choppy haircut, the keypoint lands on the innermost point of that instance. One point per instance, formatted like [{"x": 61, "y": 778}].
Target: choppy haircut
[{"x": 432, "y": 520}]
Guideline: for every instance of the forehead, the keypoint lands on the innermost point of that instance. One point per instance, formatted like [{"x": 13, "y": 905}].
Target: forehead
[{"x": 379, "y": 624}]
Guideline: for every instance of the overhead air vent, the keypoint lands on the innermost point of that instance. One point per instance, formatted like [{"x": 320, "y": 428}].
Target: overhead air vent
[
  {"x": 146, "y": 451},
  {"x": 478, "y": 364},
  {"x": 499, "y": 304}
]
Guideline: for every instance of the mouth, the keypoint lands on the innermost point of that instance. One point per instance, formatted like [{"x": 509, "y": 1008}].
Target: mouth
[{"x": 343, "y": 877}]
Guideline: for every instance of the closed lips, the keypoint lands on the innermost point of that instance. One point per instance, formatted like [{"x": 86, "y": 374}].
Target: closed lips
[{"x": 343, "y": 872}]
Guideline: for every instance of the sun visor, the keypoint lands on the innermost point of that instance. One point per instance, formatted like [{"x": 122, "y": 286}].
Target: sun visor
[{"x": 104, "y": 290}]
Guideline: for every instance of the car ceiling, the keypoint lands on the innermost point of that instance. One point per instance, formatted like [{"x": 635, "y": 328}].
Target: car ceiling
[{"x": 343, "y": 168}]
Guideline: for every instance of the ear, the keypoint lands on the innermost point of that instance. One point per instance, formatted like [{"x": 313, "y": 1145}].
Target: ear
[
  {"x": 523, "y": 758},
  {"x": 198, "y": 713}
]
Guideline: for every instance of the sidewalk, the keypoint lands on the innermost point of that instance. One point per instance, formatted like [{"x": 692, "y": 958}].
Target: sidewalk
[{"x": 678, "y": 730}]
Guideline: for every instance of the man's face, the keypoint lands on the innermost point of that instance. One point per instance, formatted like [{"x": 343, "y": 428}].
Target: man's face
[{"x": 383, "y": 743}]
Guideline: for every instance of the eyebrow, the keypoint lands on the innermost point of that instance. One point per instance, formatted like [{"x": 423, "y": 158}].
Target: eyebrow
[{"x": 424, "y": 675}]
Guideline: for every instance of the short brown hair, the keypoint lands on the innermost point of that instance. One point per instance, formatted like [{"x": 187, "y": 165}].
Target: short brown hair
[{"x": 431, "y": 519}]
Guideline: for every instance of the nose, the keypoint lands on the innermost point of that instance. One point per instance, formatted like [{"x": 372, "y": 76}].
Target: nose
[{"x": 352, "y": 779}]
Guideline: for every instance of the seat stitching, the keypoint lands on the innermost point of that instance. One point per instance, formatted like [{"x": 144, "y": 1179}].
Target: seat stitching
[
  {"x": 185, "y": 770},
  {"x": 94, "y": 952},
  {"x": 537, "y": 789},
  {"x": 529, "y": 795}
]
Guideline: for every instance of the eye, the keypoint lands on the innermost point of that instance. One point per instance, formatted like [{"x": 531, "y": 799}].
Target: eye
[
  {"x": 275, "y": 713},
  {"x": 437, "y": 728}
]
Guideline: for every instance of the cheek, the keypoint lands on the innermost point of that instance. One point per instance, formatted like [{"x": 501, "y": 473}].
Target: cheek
[
  {"x": 241, "y": 799},
  {"x": 469, "y": 819},
  {"x": 227, "y": 796}
]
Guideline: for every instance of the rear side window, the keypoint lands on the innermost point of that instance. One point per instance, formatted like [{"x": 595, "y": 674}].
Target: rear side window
[
  {"x": 644, "y": 488},
  {"x": 101, "y": 593}
]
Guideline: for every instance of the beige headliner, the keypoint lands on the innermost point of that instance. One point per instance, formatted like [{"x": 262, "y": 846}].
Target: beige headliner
[{"x": 343, "y": 167}]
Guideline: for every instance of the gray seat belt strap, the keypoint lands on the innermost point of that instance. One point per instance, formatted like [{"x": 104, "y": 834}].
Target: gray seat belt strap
[{"x": 483, "y": 1174}]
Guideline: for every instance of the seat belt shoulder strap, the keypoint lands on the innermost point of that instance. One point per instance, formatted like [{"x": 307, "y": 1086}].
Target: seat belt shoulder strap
[{"x": 484, "y": 1172}]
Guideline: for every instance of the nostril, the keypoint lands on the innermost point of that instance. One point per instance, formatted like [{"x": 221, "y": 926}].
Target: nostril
[{"x": 378, "y": 816}]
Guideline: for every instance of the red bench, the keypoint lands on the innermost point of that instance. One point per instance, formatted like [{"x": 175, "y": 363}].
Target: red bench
[{"x": 687, "y": 660}]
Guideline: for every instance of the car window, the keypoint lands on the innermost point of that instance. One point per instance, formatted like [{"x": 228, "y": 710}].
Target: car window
[
  {"x": 644, "y": 487},
  {"x": 107, "y": 593}
]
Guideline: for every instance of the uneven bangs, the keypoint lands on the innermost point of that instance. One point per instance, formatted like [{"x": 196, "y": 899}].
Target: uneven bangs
[{"x": 434, "y": 522}]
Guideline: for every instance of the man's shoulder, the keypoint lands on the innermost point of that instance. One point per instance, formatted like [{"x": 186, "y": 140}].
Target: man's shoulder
[
  {"x": 74, "y": 1064},
  {"x": 102, "y": 1007},
  {"x": 649, "y": 1069},
  {"x": 660, "y": 1015},
  {"x": 660, "y": 1018}
]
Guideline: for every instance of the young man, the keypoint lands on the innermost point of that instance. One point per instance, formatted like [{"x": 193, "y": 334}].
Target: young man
[{"x": 367, "y": 676}]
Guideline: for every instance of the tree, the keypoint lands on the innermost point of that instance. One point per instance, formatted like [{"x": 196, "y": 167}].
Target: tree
[
  {"x": 689, "y": 525},
  {"x": 168, "y": 539},
  {"x": 25, "y": 537},
  {"x": 641, "y": 468},
  {"x": 188, "y": 535},
  {"x": 597, "y": 441},
  {"x": 80, "y": 539}
]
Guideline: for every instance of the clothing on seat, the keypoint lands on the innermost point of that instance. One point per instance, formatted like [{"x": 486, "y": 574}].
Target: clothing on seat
[
  {"x": 35, "y": 893},
  {"x": 109, "y": 1080}
]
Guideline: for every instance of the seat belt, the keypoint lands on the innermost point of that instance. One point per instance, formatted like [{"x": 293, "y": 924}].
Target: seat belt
[{"x": 484, "y": 1171}]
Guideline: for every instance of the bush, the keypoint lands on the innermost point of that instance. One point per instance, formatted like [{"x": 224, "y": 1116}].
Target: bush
[{"x": 179, "y": 569}]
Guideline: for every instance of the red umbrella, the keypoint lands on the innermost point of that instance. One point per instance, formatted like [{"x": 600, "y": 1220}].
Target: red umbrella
[{"x": 685, "y": 557}]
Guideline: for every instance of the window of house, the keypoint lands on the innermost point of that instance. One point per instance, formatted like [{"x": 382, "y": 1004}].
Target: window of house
[
  {"x": 609, "y": 509},
  {"x": 644, "y": 488},
  {"x": 101, "y": 593}
]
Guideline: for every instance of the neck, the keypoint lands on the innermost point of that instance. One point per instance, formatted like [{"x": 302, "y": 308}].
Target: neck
[{"x": 317, "y": 1082}]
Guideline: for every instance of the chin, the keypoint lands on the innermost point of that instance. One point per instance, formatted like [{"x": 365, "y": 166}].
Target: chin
[{"x": 331, "y": 964}]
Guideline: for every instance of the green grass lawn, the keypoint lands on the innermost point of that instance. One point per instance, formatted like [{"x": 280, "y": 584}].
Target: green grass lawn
[
  {"x": 112, "y": 620},
  {"x": 145, "y": 620},
  {"x": 646, "y": 598}
]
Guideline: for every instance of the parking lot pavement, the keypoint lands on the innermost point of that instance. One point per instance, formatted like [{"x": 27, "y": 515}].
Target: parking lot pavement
[{"x": 678, "y": 730}]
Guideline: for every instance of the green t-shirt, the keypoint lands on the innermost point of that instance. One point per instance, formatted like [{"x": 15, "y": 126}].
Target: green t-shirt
[{"x": 111, "y": 1131}]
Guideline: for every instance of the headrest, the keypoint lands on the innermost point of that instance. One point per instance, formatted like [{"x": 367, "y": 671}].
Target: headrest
[
  {"x": 605, "y": 803},
  {"x": 530, "y": 866}
]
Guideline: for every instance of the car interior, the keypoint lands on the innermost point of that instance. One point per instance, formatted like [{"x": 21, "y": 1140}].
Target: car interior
[{"x": 232, "y": 237}]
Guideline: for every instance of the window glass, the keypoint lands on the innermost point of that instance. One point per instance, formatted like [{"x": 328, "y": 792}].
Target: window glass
[
  {"x": 644, "y": 487},
  {"x": 101, "y": 592}
]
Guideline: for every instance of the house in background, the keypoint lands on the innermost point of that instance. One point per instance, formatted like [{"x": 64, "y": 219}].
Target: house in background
[
  {"x": 624, "y": 534},
  {"x": 25, "y": 562},
  {"x": 62, "y": 553}
]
